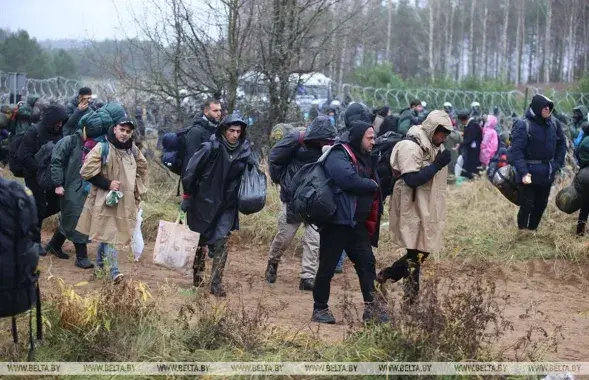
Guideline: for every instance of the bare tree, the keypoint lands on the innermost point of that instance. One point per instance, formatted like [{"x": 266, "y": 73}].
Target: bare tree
[
  {"x": 471, "y": 43},
  {"x": 484, "y": 47},
  {"x": 389, "y": 28},
  {"x": 547, "y": 41},
  {"x": 518, "y": 41},
  {"x": 432, "y": 69},
  {"x": 505, "y": 72}
]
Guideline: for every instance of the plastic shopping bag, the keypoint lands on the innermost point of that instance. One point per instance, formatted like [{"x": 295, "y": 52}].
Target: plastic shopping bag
[
  {"x": 113, "y": 198},
  {"x": 137, "y": 243},
  {"x": 252, "y": 191},
  {"x": 175, "y": 245}
]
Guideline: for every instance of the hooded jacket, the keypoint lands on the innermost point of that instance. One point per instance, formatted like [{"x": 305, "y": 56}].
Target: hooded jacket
[
  {"x": 417, "y": 214},
  {"x": 296, "y": 149},
  {"x": 211, "y": 182},
  {"x": 38, "y": 135},
  {"x": 471, "y": 146},
  {"x": 200, "y": 132},
  {"x": 490, "y": 142},
  {"x": 540, "y": 153},
  {"x": 407, "y": 119},
  {"x": 578, "y": 125},
  {"x": 66, "y": 162},
  {"x": 74, "y": 116},
  {"x": 355, "y": 188}
]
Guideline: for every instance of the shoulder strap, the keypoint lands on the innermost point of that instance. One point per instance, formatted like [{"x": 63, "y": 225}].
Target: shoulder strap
[
  {"x": 351, "y": 154},
  {"x": 301, "y": 137},
  {"x": 104, "y": 152}
]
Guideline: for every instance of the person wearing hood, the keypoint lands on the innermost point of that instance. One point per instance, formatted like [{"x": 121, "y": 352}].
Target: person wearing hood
[
  {"x": 202, "y": 129},
  {"x": 578, "y": 124},
  {"x": 537, "y": 153},
  {"x": 355, "y": 225},
  {"x": 582, "y": 155},
  {"x": 490, "y": 142},
  {"x": 409, "y": 116},
  {"x": 287, "y": 157},
  {"x": 123, "y": 170},
  {"x": 471, "y": 147},
  {"x": 47, "y": 130},
  {"x": 76, "y": 108},
  {"x": 417, "y": 214},
  {"x": 66, "y": 162},
  {"x": 211, "y": 185}
]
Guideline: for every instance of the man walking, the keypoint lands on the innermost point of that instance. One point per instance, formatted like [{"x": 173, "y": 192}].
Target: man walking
[
  {"x": 418, "y": 204},
  {"x": 287, "y": 157}
]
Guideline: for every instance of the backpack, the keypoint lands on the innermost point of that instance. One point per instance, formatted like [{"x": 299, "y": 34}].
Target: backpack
[
  {"x": 19, "y": 257},
  {"x": 313, "y": 200},
  {"x": 43, "y": 158},
  {"x": 383, "y": 149},
  {"x": 173, "y": 144},
  {"x": 89, "y": 144},
  {"x": 14, "y": 163},
  {"x": 277, "y": 172}
]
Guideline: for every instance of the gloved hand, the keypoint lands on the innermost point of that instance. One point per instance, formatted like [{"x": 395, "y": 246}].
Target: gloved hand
[
  {"x": 443, "y": 158},
  {"x": 185, "y": 205}
]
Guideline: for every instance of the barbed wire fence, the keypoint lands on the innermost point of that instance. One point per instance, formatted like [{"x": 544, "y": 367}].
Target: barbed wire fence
[{"x": 507, "y": 102}]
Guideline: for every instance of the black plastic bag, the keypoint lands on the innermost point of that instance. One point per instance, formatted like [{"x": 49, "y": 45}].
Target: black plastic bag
[
  {"x": 504, "y": 181},
  {"x": 568, "y": 200},
  {"x": 252, "y": 191}
]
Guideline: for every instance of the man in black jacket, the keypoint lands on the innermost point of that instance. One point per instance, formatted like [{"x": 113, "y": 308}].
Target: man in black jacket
[
  {"x": 202, "y": 128},
  {"x": 211, "y": 185},
  {"x": 76, "y": 108},
  {"x": 287, "y": 157},
  {"x": 355, "y": 225},
  {"x": 48, "y": 129}
]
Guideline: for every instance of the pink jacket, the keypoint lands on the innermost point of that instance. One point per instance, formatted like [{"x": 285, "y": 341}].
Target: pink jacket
[{"x": 490, "y": 142}]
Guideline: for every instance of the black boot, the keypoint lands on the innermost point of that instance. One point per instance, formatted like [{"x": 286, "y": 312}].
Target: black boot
[
  {"x": 307, "y": 284},
  {"x": 271, "y": 272},
  {"x": 82, "y": 260},
  {"x": 411, "y": 286},
  {"x": 375, "y": 312},
  {"x": 198, "y": 274},
  {"x": 55, "y": 244}
]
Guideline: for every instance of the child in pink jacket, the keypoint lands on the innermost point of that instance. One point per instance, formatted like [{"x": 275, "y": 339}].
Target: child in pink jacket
[{"x": 490, "y": 142}]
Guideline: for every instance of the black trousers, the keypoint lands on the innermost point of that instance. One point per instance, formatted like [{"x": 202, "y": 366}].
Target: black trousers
[
  {"x": 334, "y": 239},
  {"x": 47, "y": 204},
  {"x": 533, "y": 202}
]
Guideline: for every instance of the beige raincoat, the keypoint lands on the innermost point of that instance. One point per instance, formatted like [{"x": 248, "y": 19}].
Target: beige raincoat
[
  {"x": 417, "y": 220},
  {"x": 113, "y": 225}
]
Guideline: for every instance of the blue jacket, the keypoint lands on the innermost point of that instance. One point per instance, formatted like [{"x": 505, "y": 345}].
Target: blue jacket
[
  {"x": 347, "y": 184},
  {"x": 545, "y": 144}
]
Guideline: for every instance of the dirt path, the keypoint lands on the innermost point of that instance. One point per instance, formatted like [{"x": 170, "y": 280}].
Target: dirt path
[{"x": 545, "y": 294}]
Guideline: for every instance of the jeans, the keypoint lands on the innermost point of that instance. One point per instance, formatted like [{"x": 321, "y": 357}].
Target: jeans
[{"x": 108, "y": 252}]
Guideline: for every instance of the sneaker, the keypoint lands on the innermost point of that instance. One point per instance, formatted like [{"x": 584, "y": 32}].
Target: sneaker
[
  {"x": 118, "y": 278},
  {"x": 84, "y": 263},
  {"x": 307, "y": 284},
  {"x": 375, "y": 313},
  {"x": 57, "y": 252},
  {"x": 271, "y": 272},
  {"x": 323, "y": 316}
]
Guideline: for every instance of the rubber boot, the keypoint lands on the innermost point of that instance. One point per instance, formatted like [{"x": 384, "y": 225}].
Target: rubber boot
[
  {"x": 82, "y": 260},
  {"x": 198, "y": 274},
  {"x": 219, "y": 260},
  {"x": 55, "y": 244}
]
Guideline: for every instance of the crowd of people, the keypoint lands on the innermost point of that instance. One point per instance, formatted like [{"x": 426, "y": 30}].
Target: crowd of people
[{"x": 97, "y": 175}]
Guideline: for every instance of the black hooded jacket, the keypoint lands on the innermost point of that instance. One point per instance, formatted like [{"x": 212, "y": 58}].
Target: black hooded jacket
[
  {"x": 296, "y": 149},
  {"x": 38, "y": 135},
  {"x": 200, "y": 132},
  {"x": 211, "y": 181}
]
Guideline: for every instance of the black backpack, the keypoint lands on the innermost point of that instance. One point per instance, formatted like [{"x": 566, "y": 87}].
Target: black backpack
[
  {"x": 43, "y": 158},
  {"x": 383, "y": 149},
  {"x": 174, "y": 150},
  {"x": 14, "y": 163},
  {"x": 19, "y": 256},
  {"x": 312, "y": 198}
]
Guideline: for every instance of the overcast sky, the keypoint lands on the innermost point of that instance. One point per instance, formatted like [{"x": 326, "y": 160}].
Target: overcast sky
[{"x": 77, "y": 19}]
